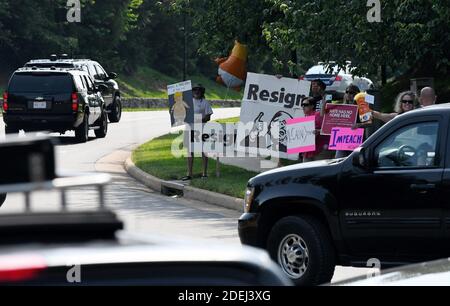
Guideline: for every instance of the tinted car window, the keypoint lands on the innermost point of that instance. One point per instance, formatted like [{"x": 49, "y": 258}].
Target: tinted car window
[
  {"x": 45, "y": 83},
  {"x": 101, "y": 74},
  {"x": 92, "y": 70},
  {"x": 411, "y": 146}
]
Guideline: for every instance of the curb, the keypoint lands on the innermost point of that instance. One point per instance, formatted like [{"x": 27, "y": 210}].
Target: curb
[{"x": 191, "y": 193}]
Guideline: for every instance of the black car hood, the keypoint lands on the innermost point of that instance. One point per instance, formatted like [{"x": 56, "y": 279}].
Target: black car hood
[{"x": 311, "y": 169}]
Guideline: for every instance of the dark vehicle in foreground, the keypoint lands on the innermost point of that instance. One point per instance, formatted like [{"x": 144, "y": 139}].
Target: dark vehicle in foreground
[
  {"x": 56, "y": 100},
  {"x": 89, "y": 247},
  {"x": 111, "y": 93},
  {"x": 389, "y": 200}
]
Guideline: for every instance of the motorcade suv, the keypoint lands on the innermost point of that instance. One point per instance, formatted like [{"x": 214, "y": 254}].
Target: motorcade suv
[
  {"x": 388, "y": 201},
  {"x": 111, "y": 94},
  {"x": 55, "y": 100}
]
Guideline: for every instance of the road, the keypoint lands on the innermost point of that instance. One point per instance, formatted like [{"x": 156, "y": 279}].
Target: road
[{"x": 143, "y": 210}]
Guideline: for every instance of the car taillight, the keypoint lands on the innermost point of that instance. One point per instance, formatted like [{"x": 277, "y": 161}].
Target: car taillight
[
  {"x": 20, "y": 268},
  {"x": 302, "y": 78},
  {"x": 338, "y": 78},
  {"x": 5, "y": 101},
  {"x": 75, "y": 102}
]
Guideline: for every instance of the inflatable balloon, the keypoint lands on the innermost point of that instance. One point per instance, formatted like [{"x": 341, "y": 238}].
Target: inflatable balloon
[{"x": 232, "y": 69}]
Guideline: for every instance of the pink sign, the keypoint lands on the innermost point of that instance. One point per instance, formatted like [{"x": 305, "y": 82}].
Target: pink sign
[
  {"x": 300, "y": 135},
  {"x": 345, "y": 139},
  {"x": 338, "y": 115}
]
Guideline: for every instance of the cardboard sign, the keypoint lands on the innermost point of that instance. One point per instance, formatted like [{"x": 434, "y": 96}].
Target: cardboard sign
[
  {"x": 300, "y": 134},
  {"x": 181, "y": 104},
  {"x": 338, "y": 115},
  {"x": 283, "y": 93},
  {"x": 370, "y": 99},
  {"x": 345, "y": 139},
  {"x": 267, "y": 105},
  {"x": 214, "y": 138},
  {"x": 365, "y": 114}
]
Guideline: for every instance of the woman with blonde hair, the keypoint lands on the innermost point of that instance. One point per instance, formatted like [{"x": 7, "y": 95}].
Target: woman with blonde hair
[{"x": 405, "y": 102}]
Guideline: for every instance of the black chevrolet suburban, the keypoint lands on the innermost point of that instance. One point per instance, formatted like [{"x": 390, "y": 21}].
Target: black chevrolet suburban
[
  {"x": 388, "y": 201},
  {"x": 56, "y": 100},
  {"x": 111, "y": 93}
]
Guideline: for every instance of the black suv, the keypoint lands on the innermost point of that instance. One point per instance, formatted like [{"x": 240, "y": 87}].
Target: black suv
[
  {"x": 111, "y": 94},
  {"x": 56, "y": 100},
  {"x": 389, "y": 200}
]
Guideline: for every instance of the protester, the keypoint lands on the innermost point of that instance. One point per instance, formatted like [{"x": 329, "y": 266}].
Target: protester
[
  {"x": 318, "y": 92},
  {"x": 321, "y": 152},
  {"x": 405, "y": 102},
  {"x": 427, "y": 97},
  {"x": 202, "y": 113}
]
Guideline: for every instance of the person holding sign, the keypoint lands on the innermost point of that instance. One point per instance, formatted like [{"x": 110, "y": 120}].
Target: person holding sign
[
  {"x": 202, "y": 114},
  {"x": 405, "y": 102},
  {"x": 321, "y": 152}
]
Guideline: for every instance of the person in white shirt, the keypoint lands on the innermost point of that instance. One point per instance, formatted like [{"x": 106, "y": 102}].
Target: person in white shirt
[{"x": 202, "y": 113}]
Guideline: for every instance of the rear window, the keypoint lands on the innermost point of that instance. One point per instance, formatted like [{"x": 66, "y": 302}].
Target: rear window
[{"x": 45, "y": 83}]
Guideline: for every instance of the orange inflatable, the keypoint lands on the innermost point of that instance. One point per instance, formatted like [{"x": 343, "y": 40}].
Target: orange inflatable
[{"x": 233, "y": 69}]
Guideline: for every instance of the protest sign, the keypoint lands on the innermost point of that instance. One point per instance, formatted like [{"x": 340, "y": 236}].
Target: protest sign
[
  {"x": 365, "y": 114},
  {"x": 338, "y": 115},
  {"x": 267, "y": 104},
  {"x": 300, "y": 134},
  {"x": 345, "y": 139},
  {"x": 181, "y": 105},
  {"x": 213, "y": 138}
]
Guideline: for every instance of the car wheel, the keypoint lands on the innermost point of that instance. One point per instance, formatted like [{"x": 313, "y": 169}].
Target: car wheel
[
  {"x": 103, "y": 126},
  {"x": 82, "y": 132},
  {"x": 116, "y": 110},
  {"x": 302, "y": 247},
  {"x": 10, "y": 130},
  {"x": 2, "y": 198}
]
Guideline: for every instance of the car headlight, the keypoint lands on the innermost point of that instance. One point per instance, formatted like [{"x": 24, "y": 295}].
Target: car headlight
[{"x": 249, "y": 194}]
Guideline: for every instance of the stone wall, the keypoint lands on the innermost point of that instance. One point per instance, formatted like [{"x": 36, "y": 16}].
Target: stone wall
[{"x": 163, "y": 103}]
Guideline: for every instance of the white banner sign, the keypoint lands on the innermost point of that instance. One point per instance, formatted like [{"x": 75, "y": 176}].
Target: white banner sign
[{"x": 270, "y": 90}]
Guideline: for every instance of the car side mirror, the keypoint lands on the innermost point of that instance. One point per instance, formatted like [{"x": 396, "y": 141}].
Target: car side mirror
[
  {"x": 359, "y": 158},
  {"x": 102, "y": 88},
  {"x": 112, "y": 75}
]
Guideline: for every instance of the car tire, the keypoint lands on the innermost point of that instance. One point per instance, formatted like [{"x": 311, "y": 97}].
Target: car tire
[
  {"x": 82, "y": 132},
  {"x": 2, "y": 198},
  {"x": 302, "y": 247},
  {"x": 10, "y": 130},
  {"x": 102, "y": 123},
  {"x": 116, "y": 110}
]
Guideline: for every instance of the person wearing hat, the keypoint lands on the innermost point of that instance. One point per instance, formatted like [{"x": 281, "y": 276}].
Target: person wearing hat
[{"x": 202, "y": 114}]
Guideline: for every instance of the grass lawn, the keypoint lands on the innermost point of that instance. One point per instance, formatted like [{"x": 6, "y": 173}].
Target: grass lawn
[
  {"x": 149, "y": 83},
  {"x": 155, "y": 158}
]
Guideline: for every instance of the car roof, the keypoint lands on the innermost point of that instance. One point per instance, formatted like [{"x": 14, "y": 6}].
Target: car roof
[
  {"x": 68, "y": 61},
  {"x": 437, "y": 109},
  {"x": 55, "y": 70},
  {"x": 321, "y": 69}
]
